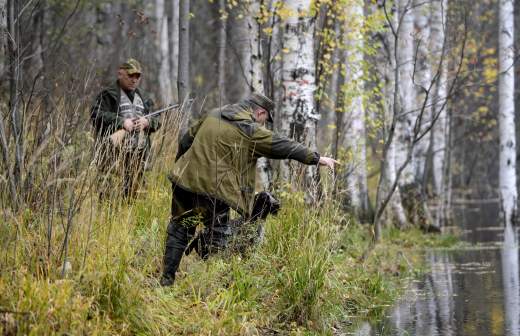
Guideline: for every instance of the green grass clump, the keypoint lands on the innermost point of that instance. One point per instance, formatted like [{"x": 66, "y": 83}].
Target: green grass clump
[{"x": 312, "y": 272}]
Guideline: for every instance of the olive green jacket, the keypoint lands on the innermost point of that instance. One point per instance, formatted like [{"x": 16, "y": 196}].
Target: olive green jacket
[{"x": 217, "y": 156}]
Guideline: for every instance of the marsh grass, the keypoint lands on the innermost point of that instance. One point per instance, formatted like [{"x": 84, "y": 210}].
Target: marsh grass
[
  {"x": 306, "y": 277},
  {"x": 71, "y": 263}
]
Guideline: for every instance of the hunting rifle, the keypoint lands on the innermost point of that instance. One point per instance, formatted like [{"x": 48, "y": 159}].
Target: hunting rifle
[{"x": 117, "y": 137}]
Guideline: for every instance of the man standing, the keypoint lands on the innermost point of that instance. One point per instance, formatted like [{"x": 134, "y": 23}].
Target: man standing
[
  {"x": 122, "y": 128},
  {"x": 216, "y": 167}
]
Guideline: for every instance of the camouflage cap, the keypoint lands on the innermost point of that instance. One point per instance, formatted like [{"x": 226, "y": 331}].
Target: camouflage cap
[
  {"x": 132, "y": 66},
  {"x": 264, "y": 102}
]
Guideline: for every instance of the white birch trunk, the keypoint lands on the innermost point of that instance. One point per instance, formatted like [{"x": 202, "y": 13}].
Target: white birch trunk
[
  {"x": 355, "y": 137},
  {"x": 174, "y": 48},
  {"x": 511, "y": 282},
  {"x": 222, "y": 41},
  {"x": 440, "y": 128},
  {"x": 254, "y": 72},
  {"x": 394, "y": 208},
  {"x": 506, "y": 114},
  {"x": 183, "y": 79},
  {"x": 163, "y": 54},
  {"x": 298, "y": 114},
  {"x": 254, "y": 61},
  {"x": 405, "y": 118},
  {"x": 424, "y": 77}
]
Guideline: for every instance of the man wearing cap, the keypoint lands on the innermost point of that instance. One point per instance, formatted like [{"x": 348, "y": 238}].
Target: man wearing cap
[
  {"x": 122, "y": 128},
  {"x": 215, "y": 170}
]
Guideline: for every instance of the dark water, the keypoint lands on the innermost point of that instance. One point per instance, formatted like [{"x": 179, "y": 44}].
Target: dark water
[{"x": 470, "y": 292}]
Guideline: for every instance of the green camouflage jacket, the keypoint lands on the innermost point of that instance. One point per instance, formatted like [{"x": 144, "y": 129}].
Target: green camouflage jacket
[{"x": 218, "y": 154}]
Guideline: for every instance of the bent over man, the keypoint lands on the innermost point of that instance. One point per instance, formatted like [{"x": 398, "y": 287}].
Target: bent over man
[
  {"x": 216, "y": 167},
  {"x": 122, "y": 128}
]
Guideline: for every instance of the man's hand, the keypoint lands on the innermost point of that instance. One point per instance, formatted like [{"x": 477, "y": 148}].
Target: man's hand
[
  {"x": 140, "y": 124},
  {"x": 128, "y": 124},
  {"x": 327, "y": 161}
]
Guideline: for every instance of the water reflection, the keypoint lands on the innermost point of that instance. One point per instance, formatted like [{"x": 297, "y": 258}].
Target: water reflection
[
  {"x": 470, "y": 292},
  {"x": 510, "y": 282}
]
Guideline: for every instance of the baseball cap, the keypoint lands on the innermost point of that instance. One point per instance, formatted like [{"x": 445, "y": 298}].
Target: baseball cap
[
  {"x": 132, "y": 66},
  {"x": 264, "y": 102}
]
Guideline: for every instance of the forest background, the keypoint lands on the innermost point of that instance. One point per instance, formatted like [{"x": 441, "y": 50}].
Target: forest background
[{"x": 406, "y": 94}]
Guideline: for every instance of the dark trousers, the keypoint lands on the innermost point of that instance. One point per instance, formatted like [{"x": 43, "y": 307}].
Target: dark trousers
[
  {"x": 188, "y": 211},
  {"x": 121, "y": 170}
]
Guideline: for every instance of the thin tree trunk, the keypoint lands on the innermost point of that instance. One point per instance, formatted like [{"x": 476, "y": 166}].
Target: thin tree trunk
[
  {"x": 163, "y": 53},
  {"x": 254, "y": 73},
  {"x": 174, "y": 48},
  {"x": 222, "y": 41},
  {"x": 355, "y": 137},
  {"x": 255, "y": 66},
  {"x": 506, "y": 114},
  {"x": 15, "y": 73},
  {"x": 391, "y": 104},
  {"x": 440, "y": 128},
  {"x": 184, "y": 49},
  {"x": 405, "y": 118},
  {"x": 298, "y": 116},
  {"x": 330, "y": 101},
  {"x": 423, "y": 79},
  {"x": 3, "y": 35}
]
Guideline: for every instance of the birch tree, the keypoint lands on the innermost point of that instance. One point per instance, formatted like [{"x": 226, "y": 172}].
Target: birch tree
[
  {"x": 506, "y": 113},
  {"x": 184, "y": 50},
  {"x": 355, "y": 137},
  {"x": 254, "y": 70},
  {"x": 163, "y": 54},
  {"x": 222, "y": 41},
  {"x": 298, "y": 116},
  {"x": 423, "y": 78},
  {"x": 174, "y": 48},
  {"x": 386, "y": 191},
  {"x": 511, "y": 281},
  {"x": 406, "y": 94},
  {"x": 441, "y": 132}
]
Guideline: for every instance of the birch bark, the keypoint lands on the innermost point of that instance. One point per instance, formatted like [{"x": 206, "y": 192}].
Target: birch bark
[
  {"x": 511, "y": 281},
  {"x": 163, "y": 54},
  {"x": 184, "y": 50},
  {"x": 174, "y": 48},
  {"x": 405, "y": 116},
  {"x": 440, "y": 128},
  {"x": 222, "y": 41},
  {"x": 386, "y": 196},
  {"x": 254, "y": 71},
  {"x": 506, "y": 114},
  {"x": 423, "y": 79},
  {"x": 298, "y": 115},
  {"x": 355, "y": 137}
]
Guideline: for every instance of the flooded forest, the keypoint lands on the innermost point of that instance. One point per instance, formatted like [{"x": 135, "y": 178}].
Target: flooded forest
[{"x": 259, "y": 167}]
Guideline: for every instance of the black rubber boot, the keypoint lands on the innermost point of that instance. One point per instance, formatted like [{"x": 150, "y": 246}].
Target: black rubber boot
[{"x": 176, "y": 241}]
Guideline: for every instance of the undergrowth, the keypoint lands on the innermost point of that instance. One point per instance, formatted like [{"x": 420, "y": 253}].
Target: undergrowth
[{"x": 309, "y": 276}]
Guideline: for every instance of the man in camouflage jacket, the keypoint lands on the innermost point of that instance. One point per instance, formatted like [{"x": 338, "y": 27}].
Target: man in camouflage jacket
[
  {"x": 122, "y": 128},
  {"x": 215, "y": 170}
]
